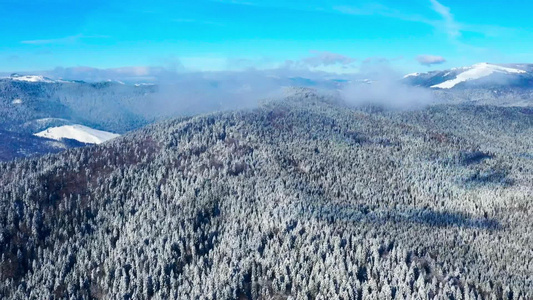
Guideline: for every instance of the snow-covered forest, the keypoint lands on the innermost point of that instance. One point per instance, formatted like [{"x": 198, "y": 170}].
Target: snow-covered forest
[{"x": 304, "y": 198}]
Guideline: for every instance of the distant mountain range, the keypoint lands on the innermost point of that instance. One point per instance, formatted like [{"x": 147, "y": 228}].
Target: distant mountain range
[
  {"x": 483, "y": 83},
  {"x": 39, "y": 114},
  {"x": 478, "y": 75}
]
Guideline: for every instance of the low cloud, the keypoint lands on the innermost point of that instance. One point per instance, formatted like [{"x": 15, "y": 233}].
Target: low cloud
[
  {"x": 428, "y": 60},
  {"x": 127, "y": 74},
  {"x": 201, "y": 92},
  {"x": 378, "y": 85},
  {"x": 182, "y": 92},
  {"x": 325, "y": 58}
]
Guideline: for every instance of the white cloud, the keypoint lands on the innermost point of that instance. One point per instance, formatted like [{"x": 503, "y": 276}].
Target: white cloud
[
  {"x": 325, "y": 58},
  {"x": 428, "y": 60},
  {"x": 133, "y": 73},
  {"x": 382, "y": 88}
]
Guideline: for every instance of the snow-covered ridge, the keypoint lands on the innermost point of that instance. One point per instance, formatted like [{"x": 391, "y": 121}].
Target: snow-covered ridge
[
  {"x": 411, "y": 75},
  {"x": 44, "y": 79},
  {"x": 36, "y": 78},
  {"x": 80, "y": 133},
  {"x": 115, "y": 81},
  {"x": 31, "y": 78},
  {"x": 475, "y": 72}
]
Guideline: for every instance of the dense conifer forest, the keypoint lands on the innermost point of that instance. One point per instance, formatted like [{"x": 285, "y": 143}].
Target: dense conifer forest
[{"x": 305, "y": 198}]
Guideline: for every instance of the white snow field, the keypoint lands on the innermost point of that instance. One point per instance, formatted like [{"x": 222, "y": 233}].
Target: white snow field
[
  {"x": 80, "y": 133},
  {"x": 475, "y": 72}
]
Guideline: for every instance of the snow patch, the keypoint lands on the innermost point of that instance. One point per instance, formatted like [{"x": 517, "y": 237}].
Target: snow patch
[
  {"x": 80, "y": 133},
  {"x": 411, "y": 75},
  {"x": 475, "y": 72},
  {"x": 116, "y": 81},
  {"x": 31, "y": 78}
]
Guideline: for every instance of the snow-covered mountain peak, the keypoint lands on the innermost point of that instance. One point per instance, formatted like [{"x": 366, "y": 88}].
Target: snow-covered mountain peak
[
  {"x": 411, "y": 75},
  {"x": 31, "y": 78},
  {"x": 477, "y": 71},
  {"x": 37, "y": 79}
]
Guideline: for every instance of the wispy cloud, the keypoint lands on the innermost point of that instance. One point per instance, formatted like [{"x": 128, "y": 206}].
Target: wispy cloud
[
  {"x": 131, "y": 73},
  {"x": 64, "y": 40},
  {"x": 364, "y": 10},
  {"x": 451, "y": 27},
  {"x": 382, "y": 10},
  {"x": 445, "y": 22},
  {"x": 384, "y": 90},
  {"x": 428, "y": 60}
]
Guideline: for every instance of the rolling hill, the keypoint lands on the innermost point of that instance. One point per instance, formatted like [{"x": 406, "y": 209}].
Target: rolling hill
[{"x": 300, "y": 198}]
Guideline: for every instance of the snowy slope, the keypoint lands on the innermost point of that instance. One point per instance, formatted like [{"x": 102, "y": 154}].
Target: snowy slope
[
  {"x": 31, "y": 78},
  {"x": 80, "y": 133},
  {"x": 475, "y": 72},
  {"x": 36, "y": 78},
  {"x": 411, "y": 75}
]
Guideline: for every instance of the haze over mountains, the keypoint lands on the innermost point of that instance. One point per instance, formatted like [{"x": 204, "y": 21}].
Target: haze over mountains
[
  {"x": 370, "y": 187},
  {"x": 32, "y": 105}
]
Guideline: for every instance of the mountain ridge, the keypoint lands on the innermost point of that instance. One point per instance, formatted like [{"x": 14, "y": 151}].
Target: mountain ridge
[
  {"x": 116, "y": 107},
  {"x": 464, "y": 77}
]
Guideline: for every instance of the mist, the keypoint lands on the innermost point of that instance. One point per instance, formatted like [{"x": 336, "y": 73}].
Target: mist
[
  {"x": 178, "y": 92},
  {"x": 203, "y": 92},
  {"x": 380, "y": 85},
  {"x": 190, "y": 93}
]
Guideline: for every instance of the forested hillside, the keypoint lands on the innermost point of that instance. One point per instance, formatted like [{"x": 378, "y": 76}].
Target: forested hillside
[
  {"x": 27, "y": 108},
  {"x": 303, "y": 198},
  {"x": 104, "y": 105}
]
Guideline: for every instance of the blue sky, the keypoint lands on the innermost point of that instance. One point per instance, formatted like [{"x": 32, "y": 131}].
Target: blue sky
[{"x": 206, "y": 35}]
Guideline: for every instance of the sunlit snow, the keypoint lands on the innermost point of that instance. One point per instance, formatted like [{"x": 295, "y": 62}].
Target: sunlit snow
[
  {"x": 31, "y": 78},
  {"x": 80, "y": 133},
  {"x": 475, "y": 72}
]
